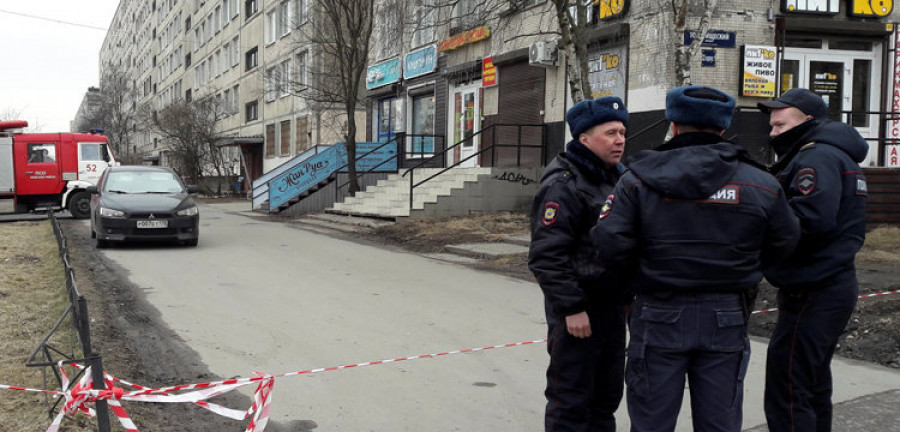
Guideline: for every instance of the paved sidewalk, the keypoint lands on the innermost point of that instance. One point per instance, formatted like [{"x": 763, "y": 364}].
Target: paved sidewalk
[{"x": 866, "y": 396}]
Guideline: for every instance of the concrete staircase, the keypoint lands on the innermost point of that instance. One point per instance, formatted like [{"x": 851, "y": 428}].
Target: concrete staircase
[{"x": 389, "y": 198}]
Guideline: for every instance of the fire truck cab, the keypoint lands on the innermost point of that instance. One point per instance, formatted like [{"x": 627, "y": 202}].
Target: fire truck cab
[{"x": 40, "y": 170}]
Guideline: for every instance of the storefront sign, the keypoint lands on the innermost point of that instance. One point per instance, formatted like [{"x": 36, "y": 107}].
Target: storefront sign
[
  {"x": 420, "y": 62},
  {"x": 606, "y": 69},
  {"x": 708, "y": 58},
  {"x": 488, "y": 72},
  {"x": 471, "y": 36},
  {"x": 828, "y": 7},
  {"x": 714, "y": 38},
  {"x": 384, "y": 73},
  {"x": 892, "y": 156},
  {"x": 610, "y": 9},
  {"x": 758, "y": 71},
  {"x": 870, "y": 8},
  {"x": 306, "y": 174},
  {"x": 893, "y": 132},
  {"x": 381, "y": 160}
]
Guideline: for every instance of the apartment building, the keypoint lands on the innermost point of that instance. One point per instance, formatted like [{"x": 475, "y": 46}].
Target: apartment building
[
  {"x": 250, "y": 55},
  {"x": 463, "y": 65}
]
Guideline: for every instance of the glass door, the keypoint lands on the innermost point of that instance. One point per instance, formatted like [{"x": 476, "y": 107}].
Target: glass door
[
  {"x": 386, "y": 117},
  {"x": 465, "y": 123},
  {"x": 845, "y": 80}
]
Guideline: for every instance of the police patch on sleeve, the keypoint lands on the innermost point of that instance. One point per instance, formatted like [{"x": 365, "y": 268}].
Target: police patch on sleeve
[
  {"x": 806, "y": 180},
  {"x": 551, "y": 212},
  {"x": 607, "y": 206}
]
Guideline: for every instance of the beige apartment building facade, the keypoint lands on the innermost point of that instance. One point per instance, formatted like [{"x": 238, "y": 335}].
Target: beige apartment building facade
[{"x": 248, "y": 54}]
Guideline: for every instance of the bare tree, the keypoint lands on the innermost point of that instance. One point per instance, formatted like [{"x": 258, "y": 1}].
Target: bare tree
[
  {"x": 116, "y": 115},
  {"x": 190, "y": 131},
  {"x": 681, "y": 14},
  {"x": 336, "y": 37}
]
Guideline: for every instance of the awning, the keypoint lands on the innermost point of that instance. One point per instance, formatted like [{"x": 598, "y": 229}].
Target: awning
[{"x": 239, "y": 141}]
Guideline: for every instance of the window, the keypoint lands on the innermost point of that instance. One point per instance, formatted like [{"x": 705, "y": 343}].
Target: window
[
  {"x": 272, "y": 23},
  {"x": 217, "y": 19},
  {"x": 41, "y": 153},
  {"x": 284, "y": 82},
  {"x": 299, "y": 12},
  {"x": 284, "y": 18},
  {"x": 422, "y": 124},
  {"x": 425, "y": 23},
  {"x": 272, "y": 84},
  {"x": 270, "y": 140},
  {"x": 251, "y": 7},
  {"x": 234, "y": 54},
  {"x": 251, "y": 59},
  {"x": 235, "y": 99},
  {"x": 285, "y": 137},
  {"x": 188, "y": 95},
  {"x": 251, "y": 111},
  {"x": 300, "y": 78}
]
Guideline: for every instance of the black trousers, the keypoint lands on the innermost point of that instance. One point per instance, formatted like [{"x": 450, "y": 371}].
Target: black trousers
[
  {"x": 586, "y": 377},
  {"x": 798, "y": 362}
]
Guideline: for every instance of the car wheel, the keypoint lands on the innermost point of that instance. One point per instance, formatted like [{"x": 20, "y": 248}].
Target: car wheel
[
  {"x": 80, "y": 205},
  {"x": 101, "y": 243}
]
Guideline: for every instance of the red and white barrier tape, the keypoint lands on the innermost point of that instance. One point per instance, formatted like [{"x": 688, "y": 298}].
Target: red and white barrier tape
[
  {"x": 82, "y": 393},
  {"x": 864, "y": 296}
]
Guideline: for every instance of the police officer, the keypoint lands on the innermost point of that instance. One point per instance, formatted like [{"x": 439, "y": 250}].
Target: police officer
[
  {"x": 700, "y": 220},
  {"x": 818, "y": 168},
  {"x": 586, "y": 335}
]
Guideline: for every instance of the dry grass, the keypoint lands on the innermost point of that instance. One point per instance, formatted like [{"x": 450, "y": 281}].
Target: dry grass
[
  {"x": 882, "y": 245},
  {"x": 430, "y": 235},
  {"x": 32, "y": 298}
]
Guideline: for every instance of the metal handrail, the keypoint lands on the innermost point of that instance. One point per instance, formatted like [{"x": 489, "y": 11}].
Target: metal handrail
[
  {"x": 395, "y": 139},
  {"x": 493, "y": 127}
]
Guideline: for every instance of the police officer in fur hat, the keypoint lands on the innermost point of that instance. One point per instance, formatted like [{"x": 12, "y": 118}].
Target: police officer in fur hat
[
  {"x": 700, "y": 221},
  {"x": 585, "y": 315}
]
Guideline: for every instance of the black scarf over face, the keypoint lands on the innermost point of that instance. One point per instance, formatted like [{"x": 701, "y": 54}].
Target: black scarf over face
[{"x": 788, "y": 143}]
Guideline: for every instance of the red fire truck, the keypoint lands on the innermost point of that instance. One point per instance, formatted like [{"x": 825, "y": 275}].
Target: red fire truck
[{"x": 40, "y": 170}]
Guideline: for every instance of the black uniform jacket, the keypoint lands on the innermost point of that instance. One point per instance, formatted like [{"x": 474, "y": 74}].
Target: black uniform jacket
[
  {"x": 826, "y": 189},
  {"x": 562, "y": 257},
  {"x": 696, "y": 215}
]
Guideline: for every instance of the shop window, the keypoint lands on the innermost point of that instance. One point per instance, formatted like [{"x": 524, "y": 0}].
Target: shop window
[
  {"x": 421, "y": 143},
  {"x": 861, "y": 85}
]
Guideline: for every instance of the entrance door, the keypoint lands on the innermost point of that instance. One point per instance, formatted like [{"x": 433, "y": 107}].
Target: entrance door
[
  {"x": 387, "y": 117},
  {"x": 846, "y": 80},
  {"x": 465, "y": 122}
]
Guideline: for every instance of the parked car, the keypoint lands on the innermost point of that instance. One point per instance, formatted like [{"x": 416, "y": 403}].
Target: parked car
[{"x": 143, "y": 203}]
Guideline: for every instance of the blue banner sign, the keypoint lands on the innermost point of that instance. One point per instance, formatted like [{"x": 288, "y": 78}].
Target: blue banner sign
[
  {"x": 381, "y": 160},
  {"x": 384, "y": 73},
  {"x": 306, "y": 174},
  {"x": 714, "y": 38},
  {"x": 420, "y": 62}
]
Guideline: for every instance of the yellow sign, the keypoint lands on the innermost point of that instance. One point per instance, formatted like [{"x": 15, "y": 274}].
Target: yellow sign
[
  {"x": 759, "y": 71},
  {"x": 488, "y": 72},
  {"x": 610, "y": 9},
  {"x": 474, "y": 35},
  {"x": 871, "y": 8}
]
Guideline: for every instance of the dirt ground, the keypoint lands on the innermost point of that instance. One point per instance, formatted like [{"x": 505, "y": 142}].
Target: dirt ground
[
  {"x": 873, "y": 333},
  {"x": 135, "y": 347}
]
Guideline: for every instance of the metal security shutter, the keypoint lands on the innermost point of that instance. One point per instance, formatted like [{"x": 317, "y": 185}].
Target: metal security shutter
[{"x": 521, "y": 101}]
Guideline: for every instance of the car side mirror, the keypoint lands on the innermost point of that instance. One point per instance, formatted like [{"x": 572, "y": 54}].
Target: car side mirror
[
  {"x": 192, "y": 189},
  {"x": 92, "y": 190}
]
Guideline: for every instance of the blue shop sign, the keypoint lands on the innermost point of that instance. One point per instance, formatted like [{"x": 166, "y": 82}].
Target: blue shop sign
[
  {"x": 375, "y": 156},
  {"x": 306, "y": 174},
  {"x": 384, "y": 73},
  {"x": 420, "y": 62},
  {"x": 714, "y": 38}
]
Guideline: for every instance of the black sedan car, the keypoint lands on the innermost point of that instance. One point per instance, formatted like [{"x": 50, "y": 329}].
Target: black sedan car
[{"x": 143, "y": 203}]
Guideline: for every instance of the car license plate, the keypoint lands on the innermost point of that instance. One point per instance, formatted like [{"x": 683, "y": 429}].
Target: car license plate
[{"x": 152, "y": 224}]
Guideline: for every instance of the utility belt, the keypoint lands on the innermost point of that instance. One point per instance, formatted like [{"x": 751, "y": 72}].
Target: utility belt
[{"x": 747, "y": 295}]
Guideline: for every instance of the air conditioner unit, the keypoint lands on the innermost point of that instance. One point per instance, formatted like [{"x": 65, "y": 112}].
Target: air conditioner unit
[{"x": 542, "y": 53}]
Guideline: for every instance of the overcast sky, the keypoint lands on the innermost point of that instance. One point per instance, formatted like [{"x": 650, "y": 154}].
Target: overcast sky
[{"x": 51, "y": 58}]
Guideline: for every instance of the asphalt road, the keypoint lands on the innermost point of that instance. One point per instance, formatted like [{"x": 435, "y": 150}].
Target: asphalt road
[
  {"x": 259, "y": 295},
  {"x": 268, "y": 297}
]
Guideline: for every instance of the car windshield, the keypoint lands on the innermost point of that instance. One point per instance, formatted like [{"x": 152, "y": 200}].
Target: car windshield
[{"x": 143, "y": 182}]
